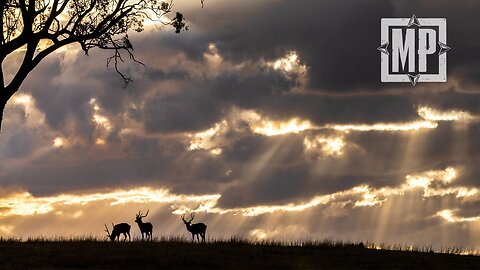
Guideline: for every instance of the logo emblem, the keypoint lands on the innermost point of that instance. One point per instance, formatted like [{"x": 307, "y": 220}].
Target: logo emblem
[{"x": 413, "y": 50}]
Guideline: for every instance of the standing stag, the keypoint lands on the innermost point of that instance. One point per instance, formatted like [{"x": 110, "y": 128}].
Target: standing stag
[
  {"x": 145, "y": 228},
  {"x": 195, "y": 229},
  {"x": 121, "y": 228}
]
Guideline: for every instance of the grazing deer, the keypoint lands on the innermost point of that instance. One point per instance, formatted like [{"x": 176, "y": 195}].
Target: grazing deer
[
  {"x": 145, "y": 228},
  {"x": 195, "y": 229},
  {"x": 122, "y": 228}
]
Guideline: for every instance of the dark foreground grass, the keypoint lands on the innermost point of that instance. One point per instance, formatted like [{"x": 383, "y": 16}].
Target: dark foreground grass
[{"x": 230, "y": 254}]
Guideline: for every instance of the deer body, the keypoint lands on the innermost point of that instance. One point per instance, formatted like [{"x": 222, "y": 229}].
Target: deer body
[
  {"x": 121, "y": 228},
  {"x": 195, "y": 229},
  {"x": 145, "y": 228}
]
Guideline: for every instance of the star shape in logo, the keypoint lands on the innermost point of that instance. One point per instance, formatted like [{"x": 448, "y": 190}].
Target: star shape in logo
[
  {"x": 414, "y": 78},
  {"x": 414, "y": 21},
  {"x": 384, "y": 48},
  {"x": 443, "y": 48}
]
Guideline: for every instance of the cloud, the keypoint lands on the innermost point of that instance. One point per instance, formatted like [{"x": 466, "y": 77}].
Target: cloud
[
  {"x": 450, "y": 216},
  {"x": 24, "y": 204},
  {"x": 432, "y": 183},
  {"x": 333, "y": 146},
  {"x": 429, "y": 113}
]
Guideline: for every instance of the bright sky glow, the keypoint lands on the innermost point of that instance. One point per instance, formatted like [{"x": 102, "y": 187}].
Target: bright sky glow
[
  {"x": 58, "y": 142},
  {"x": 22, "y": 99},
  {"x": 431, "y": 114},
  {"x": 288, "y": 64},
  {"x": 330, "y": 146},
  {"x": 450, "y": 216},
  {"x": 412, "y": 126},
  {"x": 25, "y": 204},
  {"x": 275, "y": 128},
  {"x": 206, "y": 139}
]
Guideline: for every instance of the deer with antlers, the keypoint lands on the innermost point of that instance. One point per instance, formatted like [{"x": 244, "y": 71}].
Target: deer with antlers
[
  {"x": 195, "y": 229},
  {"x": 121, "y": 228},
  {"x": 146, "y": 228}
]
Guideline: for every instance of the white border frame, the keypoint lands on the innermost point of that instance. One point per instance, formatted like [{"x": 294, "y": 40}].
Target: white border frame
[{"x": 442, "y": 58}]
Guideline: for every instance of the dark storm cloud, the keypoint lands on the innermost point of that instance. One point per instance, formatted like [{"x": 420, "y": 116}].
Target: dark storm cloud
[
  {"x": 337, "y": 39},
  {"x": 183, "y": 112},
  {"x": 141, "y": 162},
  {"x": 345, "y": 109},
  {"x": 258, "y": 33},
  {"x": 63, "y": 94},
  {"x": 19, "y": 144},
  {"x": 314, "y": 28}
]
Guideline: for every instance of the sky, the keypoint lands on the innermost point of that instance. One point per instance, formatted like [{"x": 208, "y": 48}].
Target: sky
[{"x": 267, "y": 119}]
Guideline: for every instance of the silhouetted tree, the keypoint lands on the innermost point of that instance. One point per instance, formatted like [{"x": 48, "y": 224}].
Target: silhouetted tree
[{"x": 37, "y": 28}]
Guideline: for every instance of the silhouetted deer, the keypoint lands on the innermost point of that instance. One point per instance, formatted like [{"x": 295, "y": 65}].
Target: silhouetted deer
[
  {"x": 122, "y": 228},
  {"x": 145, "y": 228},
  {"x": 195, "y": 229}
]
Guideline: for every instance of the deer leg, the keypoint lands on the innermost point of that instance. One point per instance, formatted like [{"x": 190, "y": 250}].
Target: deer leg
[
  {"x": 129, "y": 239},
  {"x": 203, "y": 237},
  {"x": 193, "y": 237}
]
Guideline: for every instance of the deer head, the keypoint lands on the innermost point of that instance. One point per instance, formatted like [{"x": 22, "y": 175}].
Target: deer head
[
  {"x": 139, "y": 216},
  {"x": 110, "y": 235},
  {"x": 192, "y": 216}
]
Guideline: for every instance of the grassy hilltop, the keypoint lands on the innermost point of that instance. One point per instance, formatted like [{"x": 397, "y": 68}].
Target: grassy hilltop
[{"x": 229, "y": 254}]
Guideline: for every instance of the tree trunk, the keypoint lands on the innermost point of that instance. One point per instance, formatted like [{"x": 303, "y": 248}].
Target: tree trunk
[{"x": 3, "y": 102}]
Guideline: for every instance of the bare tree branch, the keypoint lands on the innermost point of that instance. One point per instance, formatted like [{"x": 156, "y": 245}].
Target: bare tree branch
[{"x": 102, "y": 24}]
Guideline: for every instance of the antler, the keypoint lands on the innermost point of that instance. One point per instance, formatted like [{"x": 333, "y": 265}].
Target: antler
[
  {"x": 191, "y": 217},
  {"x": 106, "y": 229},
  {"x": 139, "y": 215}
]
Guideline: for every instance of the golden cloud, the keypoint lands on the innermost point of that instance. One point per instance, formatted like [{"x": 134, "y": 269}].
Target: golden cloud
[
  {"x": 328, "y": 145},
  {"x": 25, "y": 204},
  {"x": 450, "y": 216},
  {"x": 431, "y": 114},
  {"x": 408, "y": 126},
  {"x": 275, "y": 128},
  {"x": 435, "y": 183},
  {"x": 288, "y": 65}
]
